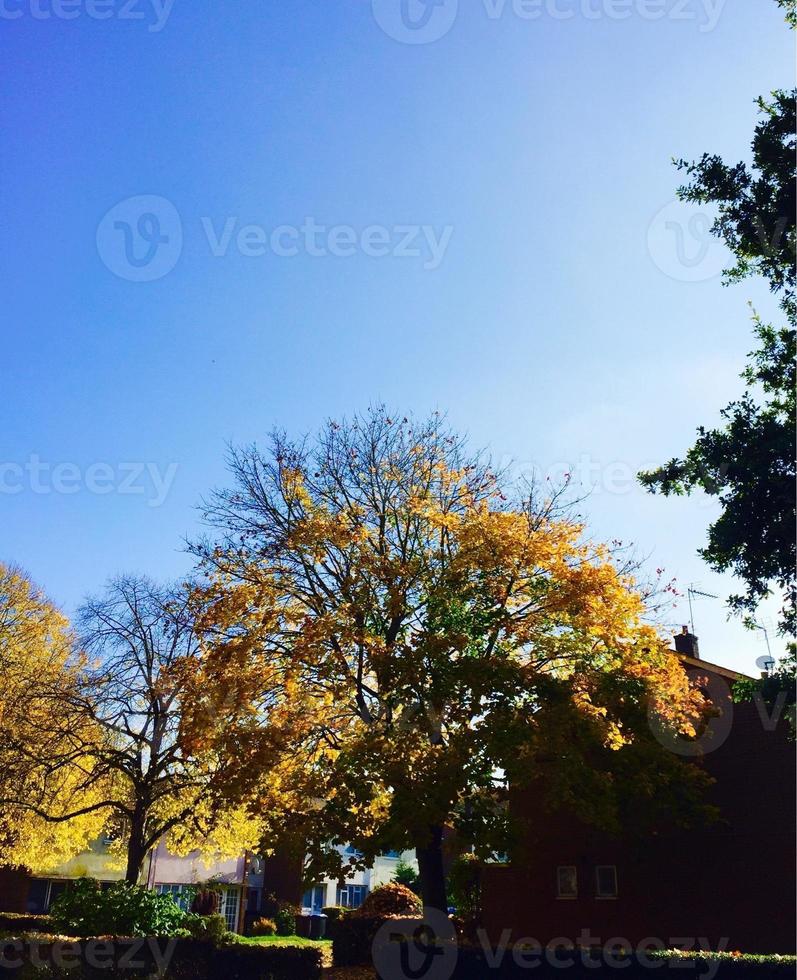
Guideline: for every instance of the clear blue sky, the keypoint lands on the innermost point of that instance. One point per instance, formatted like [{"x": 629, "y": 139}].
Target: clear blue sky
[{"x": 557, "y": 324}]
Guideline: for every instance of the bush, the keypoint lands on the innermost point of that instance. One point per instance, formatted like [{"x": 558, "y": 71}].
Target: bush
[
  {"x": 334, "y": 912},
  {"x": 84, "y": 909},
  {"x": 465, "y": 887},
  {"x": 407, "y": 875},
  {"x": 285, "y": 919},
  {"x": 264, "y": 927},
  {"x": 206, "y": 901},
  {"x": 353, "y": 938},
  {"x": 389, "y": 900},
  {"x": 14, "y": 923},
  {"x": 209, "y": 929}
]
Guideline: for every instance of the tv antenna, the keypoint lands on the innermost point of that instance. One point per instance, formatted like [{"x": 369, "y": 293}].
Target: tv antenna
[
  {"x": 770, "y": 660},
  {"x": 690, "y": 591}
]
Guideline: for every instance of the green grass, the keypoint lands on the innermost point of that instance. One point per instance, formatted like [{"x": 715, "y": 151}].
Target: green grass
[{"x": 284, "y": 941}]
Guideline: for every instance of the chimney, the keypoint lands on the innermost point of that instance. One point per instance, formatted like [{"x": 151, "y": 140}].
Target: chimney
[{"x": 686, "y": 643}]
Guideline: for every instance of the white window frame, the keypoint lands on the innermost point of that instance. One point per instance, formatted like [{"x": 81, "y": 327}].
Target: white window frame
[
  {"x": 344, "y": 895},
  {"x": 606, "y": 895},
  {"x": 566, "y": 896},
  {"x": 230, "y": 903}
]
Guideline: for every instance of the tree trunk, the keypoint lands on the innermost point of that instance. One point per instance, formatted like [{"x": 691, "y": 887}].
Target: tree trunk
[
  {"x": 136, "y": 852},
  {"x": 430, "y": 865}
]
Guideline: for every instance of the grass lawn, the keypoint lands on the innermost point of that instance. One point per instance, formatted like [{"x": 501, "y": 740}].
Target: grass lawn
[{"x": 284, "y": 941}]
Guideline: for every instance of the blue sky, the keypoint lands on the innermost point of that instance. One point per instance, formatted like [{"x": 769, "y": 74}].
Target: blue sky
[{"x": 498, "y": 241}]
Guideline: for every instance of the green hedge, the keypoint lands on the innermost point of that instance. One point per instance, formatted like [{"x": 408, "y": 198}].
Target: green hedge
[
  {"x": 12, "y": 922},
  {"x": 352, "y": 939},
  {"x": 183, "y": 959},
  {"x": 471, "y": 964}
]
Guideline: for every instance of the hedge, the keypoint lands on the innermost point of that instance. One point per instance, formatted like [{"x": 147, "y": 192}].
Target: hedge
[
  {"x": 354, "y": 945},
  {"x": 107, "y": 958},
  {"x": 352, "y": 939},
  {"x": 14, "y": 923},
  {"x": 472, "y": 964}
]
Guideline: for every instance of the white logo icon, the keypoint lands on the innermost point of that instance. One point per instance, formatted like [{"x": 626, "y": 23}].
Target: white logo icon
[{"x": 141, "y": 238}]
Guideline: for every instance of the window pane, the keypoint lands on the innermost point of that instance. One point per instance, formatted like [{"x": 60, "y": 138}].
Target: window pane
[
  {"x": 607, "y": 881},
  {"x": 567, "y": 881},
  {"x": 37, "y": 895}
]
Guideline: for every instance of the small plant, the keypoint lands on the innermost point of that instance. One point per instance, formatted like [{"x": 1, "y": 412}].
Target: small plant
[
  {"x": 285, "y": 919},
  {"x": 387, "y": 900},
  {"x": 264, "y": 927},
  {"x": 406, "y": 875}
]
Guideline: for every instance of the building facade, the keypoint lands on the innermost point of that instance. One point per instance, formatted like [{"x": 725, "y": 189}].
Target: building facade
[{"x": 727, "y": 885}]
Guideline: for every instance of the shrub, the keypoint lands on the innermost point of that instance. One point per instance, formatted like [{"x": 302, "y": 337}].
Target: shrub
[
  {"x": 465, "y": 887},
  {"x": 389, "y": 900},
  {"x": 84, "y": 909},
  {"x": 186, "y": 959},
  {"x": 407, "y": 875},
  {"x": 209, "y": 929},
  {"x": 14, "y": 923},
  {"x": 206, "y": 901},
  {"x": 353, "y": 939},
  {"x": 334, "y": 912},
  {"x": 285, "y": 919},
  {"x": 264, "y": 927}
]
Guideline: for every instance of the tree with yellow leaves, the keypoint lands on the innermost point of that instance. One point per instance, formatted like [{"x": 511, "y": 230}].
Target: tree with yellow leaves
[
  {"x": 47, "y": 808},
  {"x": 93, "y": 743},
  {"x": 429, "y": 633}
]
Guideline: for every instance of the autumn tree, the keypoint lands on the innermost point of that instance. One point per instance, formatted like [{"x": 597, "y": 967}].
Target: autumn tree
[
  {"x": 47, "y": 817},
  {"x": 117, "y": 722},
  {"x": 428, "y": 625}
]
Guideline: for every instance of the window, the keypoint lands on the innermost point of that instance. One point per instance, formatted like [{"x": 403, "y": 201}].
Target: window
[
  {"x": 567, "y": 881},
  {"x": 56, "y": 888},
  {"x": 37, "y": 895},
  {"x": 313, "y": 898},
  {"x": 182, "y": 895},
  {"x": 352, "y": 896},
  {"x": 606, "y": 881}
]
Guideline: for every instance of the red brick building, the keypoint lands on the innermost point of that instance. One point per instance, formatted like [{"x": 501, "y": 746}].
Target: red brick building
[{"x": 730, "y": 884}]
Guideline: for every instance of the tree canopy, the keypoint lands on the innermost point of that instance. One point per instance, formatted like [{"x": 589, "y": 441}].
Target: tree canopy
[
  {"x": 427, "y": 628},
  {"x": 748, "y": 463}
]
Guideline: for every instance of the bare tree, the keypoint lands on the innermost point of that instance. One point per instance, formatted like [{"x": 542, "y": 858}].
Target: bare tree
[{"x": 120, "y": 723}]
